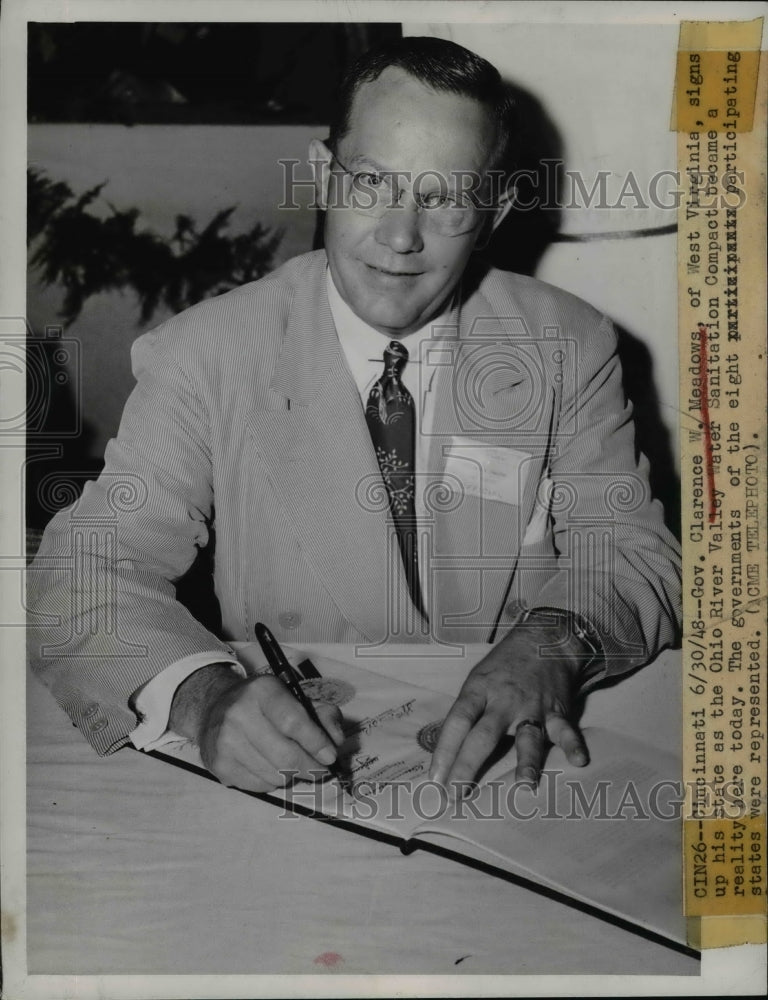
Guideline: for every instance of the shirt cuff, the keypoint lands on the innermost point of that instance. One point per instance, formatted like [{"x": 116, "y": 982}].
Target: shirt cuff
[{"x": 152, "y": 702}]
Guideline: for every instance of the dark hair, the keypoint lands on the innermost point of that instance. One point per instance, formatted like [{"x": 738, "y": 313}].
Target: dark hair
[{"x": 441, "y": 65}]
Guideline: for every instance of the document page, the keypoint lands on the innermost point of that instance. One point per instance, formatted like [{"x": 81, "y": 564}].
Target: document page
[
  {"x": 391, "y": 729},
  {"x": 609, "y": 833}
]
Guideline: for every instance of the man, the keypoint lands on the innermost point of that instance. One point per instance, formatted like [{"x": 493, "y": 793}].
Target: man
[{"x": 392, "y": 443}]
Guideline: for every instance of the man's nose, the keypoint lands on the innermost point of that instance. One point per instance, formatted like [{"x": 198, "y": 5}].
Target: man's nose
[{"x": 400, "y": 229}]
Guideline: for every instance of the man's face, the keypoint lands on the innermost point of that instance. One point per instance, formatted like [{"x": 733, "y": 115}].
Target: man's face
[{"x": 394, "y": 270}]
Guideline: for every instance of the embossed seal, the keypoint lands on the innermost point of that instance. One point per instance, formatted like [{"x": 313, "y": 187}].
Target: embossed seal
[
  {"x": 428, "y": 735},
  {"x": 330, "y": 690}
]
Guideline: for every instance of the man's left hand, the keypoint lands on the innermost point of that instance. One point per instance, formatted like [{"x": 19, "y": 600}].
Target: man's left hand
[{"x": 513, "y": 689}]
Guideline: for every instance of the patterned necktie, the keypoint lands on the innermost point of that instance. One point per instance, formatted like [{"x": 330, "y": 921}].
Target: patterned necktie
[{"x": 391, "y": 419}]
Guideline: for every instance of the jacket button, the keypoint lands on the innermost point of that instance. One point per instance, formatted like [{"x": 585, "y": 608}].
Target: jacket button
[
  {"x": 96, "y": 727},
  {"x": 514, "y": 608},
  {"x": 91, "y": 709},
  {"x": 289, "y": 619}
]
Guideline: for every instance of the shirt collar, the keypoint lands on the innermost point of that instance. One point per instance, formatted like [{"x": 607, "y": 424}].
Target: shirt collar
[{"x": 362, "y": 343}]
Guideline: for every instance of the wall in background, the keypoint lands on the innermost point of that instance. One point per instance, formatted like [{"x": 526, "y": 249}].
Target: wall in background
[{"x": 163, "y": 170}]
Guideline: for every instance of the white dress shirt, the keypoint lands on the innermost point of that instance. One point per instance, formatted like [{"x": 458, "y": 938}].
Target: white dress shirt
[{"x": 363, "y": 348}]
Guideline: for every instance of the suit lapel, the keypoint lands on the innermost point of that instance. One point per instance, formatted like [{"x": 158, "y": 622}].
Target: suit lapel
[
  {"x": 317, "y": 452},
  {"x": 491, "y": 395},
  {"x": 319, "y": 457}
]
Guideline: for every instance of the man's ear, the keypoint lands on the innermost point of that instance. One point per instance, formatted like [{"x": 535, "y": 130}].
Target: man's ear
[{"x": 320, "y": 158}]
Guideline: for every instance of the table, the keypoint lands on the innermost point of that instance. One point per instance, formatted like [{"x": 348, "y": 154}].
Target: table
[{"x": 136, "y": 866}]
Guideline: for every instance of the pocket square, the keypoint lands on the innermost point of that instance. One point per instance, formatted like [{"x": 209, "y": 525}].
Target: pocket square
[{"x": 489, "y": 472}]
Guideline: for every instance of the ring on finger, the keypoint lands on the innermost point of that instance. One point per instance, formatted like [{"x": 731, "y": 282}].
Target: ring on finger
[{"x": 536, "y": 723}]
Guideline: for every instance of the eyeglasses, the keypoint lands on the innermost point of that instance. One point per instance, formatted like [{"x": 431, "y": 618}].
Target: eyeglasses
[{"x": 373, "y": 192}]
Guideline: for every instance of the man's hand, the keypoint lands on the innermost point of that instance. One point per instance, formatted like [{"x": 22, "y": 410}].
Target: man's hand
[
  {"x": 252, "y": 731},
  {"x": 513, "y": 689}
]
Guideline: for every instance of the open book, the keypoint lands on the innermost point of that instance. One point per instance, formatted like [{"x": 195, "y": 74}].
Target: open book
[{"x": 607, "y": 835}]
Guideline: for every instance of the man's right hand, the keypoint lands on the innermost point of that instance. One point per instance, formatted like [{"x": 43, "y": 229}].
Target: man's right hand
[{"x": 253, "y": 733}]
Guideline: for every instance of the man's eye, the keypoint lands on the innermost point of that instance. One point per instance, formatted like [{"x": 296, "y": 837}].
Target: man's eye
[
  {"x": 369, "y": 180},
  {"x": 437, "y": 200}
]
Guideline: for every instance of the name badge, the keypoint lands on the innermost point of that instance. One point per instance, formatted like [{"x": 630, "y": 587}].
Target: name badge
[{"x": 486, "y": 471}]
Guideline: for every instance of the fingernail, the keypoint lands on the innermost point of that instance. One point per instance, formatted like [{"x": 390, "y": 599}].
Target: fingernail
[
  {"x": 437, "y": 775},
  {"x": 327, "y": 755}
]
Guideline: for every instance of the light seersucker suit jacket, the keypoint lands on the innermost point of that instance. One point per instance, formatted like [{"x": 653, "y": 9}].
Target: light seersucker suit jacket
[{"x": 246, "y": 420}]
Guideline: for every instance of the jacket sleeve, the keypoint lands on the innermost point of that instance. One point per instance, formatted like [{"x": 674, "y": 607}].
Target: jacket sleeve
[
  {"x": 103, "y": 616},
  {"x": 615, "y": 562}
]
